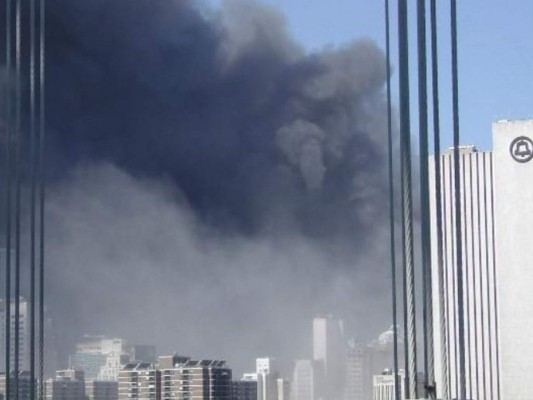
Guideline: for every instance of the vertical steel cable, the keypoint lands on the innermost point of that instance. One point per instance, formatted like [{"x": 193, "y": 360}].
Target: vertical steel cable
[
  {"x": 407, "y": 206},
  {"x": 397, "y": 394},
  {"x": 9, "y": 149},
  {"x": 457, "y": 183},
  {"x": 429, "y": 361},
  {"x": 42, "y": 176},
  {"x": 445, "y": 391},
  {"x": 33, "y": 161},
  {"x": 18, "y": 144}
]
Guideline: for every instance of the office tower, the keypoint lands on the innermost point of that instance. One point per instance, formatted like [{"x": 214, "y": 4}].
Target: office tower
[
  {"x": 246, "y": 387},
  {"x": 24, "y": 386},
  {"x": 99, "y": 357},
  {"x": 67, "y": 385},
  {"x": 307, "y": 380},
  {"x": 188, "y": 379},
  {"x": 513, "y": 219},
  {"x": 356, "y": 361},
  {"x": 496, "y": 194},
  {"x": 141, "y": 353},
  {"x": 267, "y": 376},
  {"x": 101, "y": 390},
  {"x": 384, "y": 385},
  {"x": 329, "y": 349},
  {"x": 284, "y": 389},
  {"x": 24, "y": 337},
  {"x": 139, "y": 381},
  {"x": 478, "y": 244}
]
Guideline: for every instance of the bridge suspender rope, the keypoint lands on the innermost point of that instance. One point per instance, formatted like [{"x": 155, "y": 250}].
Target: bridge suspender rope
[
  {"x": 397, "y": 389},
  {"x": 445, "y": 390},
  {"x": 41, "y": 179},
  {"x": 457, "y": 205},
  {"x": 8, "y": 155},
  {"x": 407, "y": 205}
]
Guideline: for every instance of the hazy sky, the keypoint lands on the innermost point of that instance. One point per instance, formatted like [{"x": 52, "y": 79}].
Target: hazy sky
[{"x": 496, "y": 52}]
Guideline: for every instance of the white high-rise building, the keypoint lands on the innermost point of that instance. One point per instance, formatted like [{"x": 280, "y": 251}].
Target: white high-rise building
[
  {"x": 24, "y": 333},
  {"x": 384, "y": 385},
  {"x": 497, "y": 227},
  {"x": 329, "y": 349},
  {"x": 99, "y": 357},
  {"x": 480, "y": 319},
  {"x": 513, "y": 214},
  {"x": 306, "y": 380},
  {"x": 267, "y": 379}
]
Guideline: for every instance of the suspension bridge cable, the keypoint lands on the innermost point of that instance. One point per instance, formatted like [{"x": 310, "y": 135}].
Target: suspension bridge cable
[
  {"x": 424, "y": 201},
  {"x": 42, "y": 177},
  {"x": 18, "y": 178},
  {"x": 438, "y": 201},
  {"x": 8, "y": 156},
  {"x": 33, "y": 161},
  {"x": 457, "y": 184},
  {"x": 407, "y": 205},
  {"x": 397, "y": 389}
]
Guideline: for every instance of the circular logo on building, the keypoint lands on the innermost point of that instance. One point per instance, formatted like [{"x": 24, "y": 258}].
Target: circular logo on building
[{"x": 522, "y": 149}]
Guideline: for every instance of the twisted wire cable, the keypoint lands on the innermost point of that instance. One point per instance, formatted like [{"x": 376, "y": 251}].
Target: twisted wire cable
[
  {"x": 33, "y": 162},
  {"x": 457, "y": 184},
  {"x": 9, "y": 150},
  {"x": 397, "y": 389},
  {"x": 409, "y": 278},
  {"x": 18, "y": 144},
  {"x": 42, "y": 194},
  {"x": 424, "y": 202}
]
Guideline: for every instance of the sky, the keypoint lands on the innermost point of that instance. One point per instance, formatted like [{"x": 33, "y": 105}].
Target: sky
[{"x": 495, "y": 54}]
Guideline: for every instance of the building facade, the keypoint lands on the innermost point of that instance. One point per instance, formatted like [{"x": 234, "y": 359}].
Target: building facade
[
  {"x": 513, "y": 219},
  {"x": 307, "y": 380},
  {"x": 67, "y": 385},
  {"x": 101, "y": 390},
  {"x": 99, "y": 357},
  {"x": 139, "y": 381},
  {"x": 329, "y": 349},
  {"x": 245, "y": 388},
  {"x": 478, "y": 249},
  {"x": 384, "y": 385},
  {"x": 496, "y": 229}
]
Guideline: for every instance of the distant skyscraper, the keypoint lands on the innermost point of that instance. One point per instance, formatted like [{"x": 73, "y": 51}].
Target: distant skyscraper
[
  {"x": 329, "y": 349},
  {"x": 384, "y": 385},
  {"x": 356, "y": 361},
  {"x": 101, "y": 390},
  {"x": 307, "y": 380},
  {"x": 284, "y": 389},
  {"x": 67, "y": 385},
  {"x": 24, "y": 337},
  {"x": 245, "y": 388},
  {"x": 99, "y": 357},
  {"x": 24, "y": 386},
  {"x": 267, "y": 377},
  {"x": 141, "y": 353}
]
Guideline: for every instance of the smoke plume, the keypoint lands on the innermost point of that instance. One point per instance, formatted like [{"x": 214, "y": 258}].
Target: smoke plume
[{"x": 212, "y": 185}]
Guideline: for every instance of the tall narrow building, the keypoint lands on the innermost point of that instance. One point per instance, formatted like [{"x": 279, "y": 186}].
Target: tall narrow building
[
  {"x": 478, "y": 245},
  {"x": 329, "y": 349}
]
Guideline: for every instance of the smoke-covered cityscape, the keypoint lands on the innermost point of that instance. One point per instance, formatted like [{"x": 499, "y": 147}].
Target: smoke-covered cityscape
[{"x": 264, "y": 200}]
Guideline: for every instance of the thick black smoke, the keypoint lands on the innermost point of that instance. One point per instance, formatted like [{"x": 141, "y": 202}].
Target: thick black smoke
[
  {"x": 225, "y": 105},
  {"x": 230, "y": 155}
]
